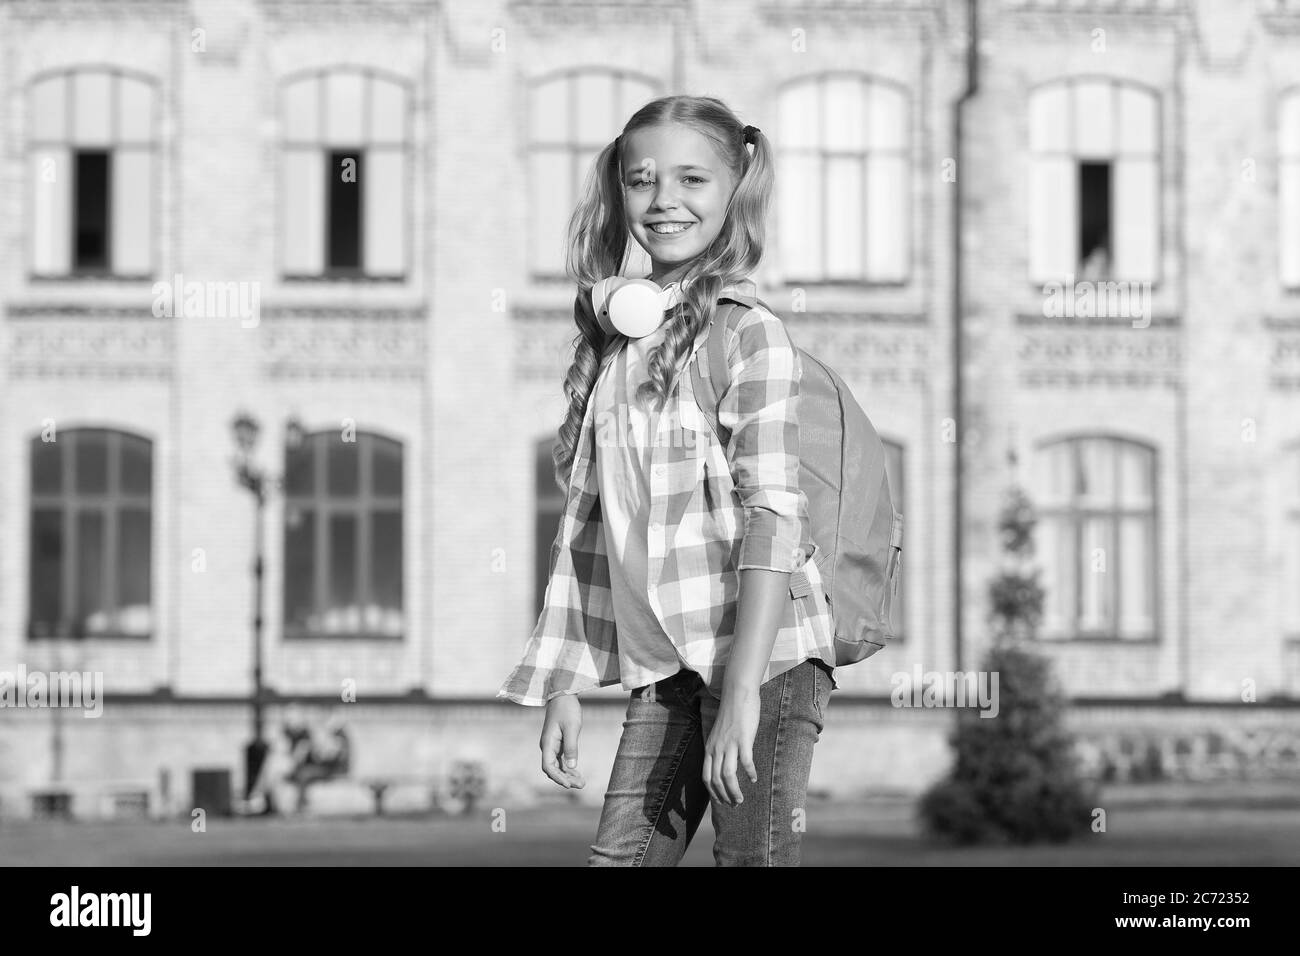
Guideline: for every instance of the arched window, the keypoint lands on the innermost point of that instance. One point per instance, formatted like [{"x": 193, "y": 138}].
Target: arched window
[
  {"x": 91, "y": 535},
  {"x": 1094, "y": 181},
  {"x": 344, "y": 175},
  {"x": 843, "y": 184},
  {"x": 343, "y": 537},
  {"x": 572, "y": 116},
  {"x": 550, "y": 508},
  {"x": 1096, "y": 538},
  {"x": 1288, "y": 175},
  {"x": 92, "y": 168}
]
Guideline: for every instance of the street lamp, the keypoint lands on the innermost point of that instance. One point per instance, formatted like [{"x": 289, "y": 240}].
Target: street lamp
[{"x": 258, "y": 481}]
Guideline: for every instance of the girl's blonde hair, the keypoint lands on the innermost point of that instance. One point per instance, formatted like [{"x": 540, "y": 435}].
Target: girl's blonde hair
[{"x": 598, "y": 241}]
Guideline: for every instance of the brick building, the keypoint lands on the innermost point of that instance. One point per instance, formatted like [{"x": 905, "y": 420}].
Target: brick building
[{"x": 175, "y": 251}]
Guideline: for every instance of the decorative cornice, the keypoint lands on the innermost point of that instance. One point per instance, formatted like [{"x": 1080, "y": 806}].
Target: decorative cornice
[
  {"x": 543, "y": 313},
  {"x": 1097, "y": 378},
  {"x": 1096, "y": 7},
  {"x": 317, "y": 348},
  {"x": 343, "y": 12},
  {"x": 76, "y": 347},
  {"x": 71, "y": 310},
  {"x": 362, "y": 313},
  {"x": 83, "y": 371},
  {"x": 1115, "y": 355},
  {"x": 1032, "y": 319},
  {"x": 342, "y": 373},
  {"x": 75, "y": 11},
  {"x": 334, "y": 311},
  {"x": 849, "y": 317},
  {"x": 821, "y": 12},
  {"x": 884, "y": 348},
  {"x": 595, "y": 13}
]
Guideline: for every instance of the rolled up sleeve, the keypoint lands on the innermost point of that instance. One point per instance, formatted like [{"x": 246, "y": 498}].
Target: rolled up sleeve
[{"x": 760, "y": 407}]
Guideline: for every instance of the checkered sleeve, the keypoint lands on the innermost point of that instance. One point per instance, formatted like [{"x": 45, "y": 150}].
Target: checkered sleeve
[{"x": 760, "y": 408}]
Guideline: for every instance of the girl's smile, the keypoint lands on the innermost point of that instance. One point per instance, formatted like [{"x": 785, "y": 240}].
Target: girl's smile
[{"x": 669, "y": 230}]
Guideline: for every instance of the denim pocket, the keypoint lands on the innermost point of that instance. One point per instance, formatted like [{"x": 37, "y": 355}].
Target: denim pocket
[{"x": 821, "y": 688}]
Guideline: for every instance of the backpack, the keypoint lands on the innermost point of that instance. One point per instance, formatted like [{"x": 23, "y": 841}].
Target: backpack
[{"x": 859, "y": 535}]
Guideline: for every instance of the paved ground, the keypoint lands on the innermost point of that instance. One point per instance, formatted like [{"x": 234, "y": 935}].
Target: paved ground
[{"x": 1154, "y": 827}]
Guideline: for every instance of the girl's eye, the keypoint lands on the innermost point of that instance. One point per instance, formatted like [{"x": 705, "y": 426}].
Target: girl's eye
[{"x": 650, "y": 182}]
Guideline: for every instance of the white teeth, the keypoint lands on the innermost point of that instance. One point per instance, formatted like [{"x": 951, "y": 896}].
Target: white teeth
[{"x": 669, "y": 227}]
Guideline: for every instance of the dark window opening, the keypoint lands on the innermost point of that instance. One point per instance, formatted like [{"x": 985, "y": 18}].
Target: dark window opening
[
  {"x": 343, "y": 229},
  {"x": 1095, "y": 246},
  {"x": 90, "y": 211},
  {"x": 343, "y": 538},
  {"x": 91, "y": 536}
]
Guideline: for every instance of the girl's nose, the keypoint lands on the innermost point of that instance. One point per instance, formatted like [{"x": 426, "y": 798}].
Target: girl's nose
[{"x": 664, "y": 199}]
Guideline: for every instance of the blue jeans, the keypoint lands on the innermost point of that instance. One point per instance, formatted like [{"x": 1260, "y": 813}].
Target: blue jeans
[{"x": 656, "y": 796}]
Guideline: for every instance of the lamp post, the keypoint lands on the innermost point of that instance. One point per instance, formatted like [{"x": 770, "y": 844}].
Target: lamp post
[{"x": 258, "y": 481}]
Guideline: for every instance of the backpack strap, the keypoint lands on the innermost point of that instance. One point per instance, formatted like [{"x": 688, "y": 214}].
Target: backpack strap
[{"x": 709, "y": 391}]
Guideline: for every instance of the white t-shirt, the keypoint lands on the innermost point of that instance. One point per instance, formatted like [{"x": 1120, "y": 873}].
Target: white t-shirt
[{"x": 645, "y": 652}]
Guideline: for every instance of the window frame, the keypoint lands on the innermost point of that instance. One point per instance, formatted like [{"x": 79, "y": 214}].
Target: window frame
[
  {"x": 571, "y": 144},
  {"x": 1158, "y": 153},
  {"x": 322, "y": 149},
  {"x": 905, "y": 152},
  {"x": 152, "y": 146},
  {"x": 321, "y": 506},
  {"x": 1114, "y": 512},
  {"x": 70, "y": 502}
]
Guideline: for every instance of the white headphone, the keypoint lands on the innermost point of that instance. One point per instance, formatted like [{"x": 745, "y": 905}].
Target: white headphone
[{"x": 631, "y": 307}]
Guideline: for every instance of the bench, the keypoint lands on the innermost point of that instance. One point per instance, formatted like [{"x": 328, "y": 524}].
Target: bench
[
  {"x": 465, "y": 782},
  {"x": 126, "y": 799},
  {"x": 52, "y": 803},
  {"x": 380, "y": 784},
  {"x": 111, "y": 799}
]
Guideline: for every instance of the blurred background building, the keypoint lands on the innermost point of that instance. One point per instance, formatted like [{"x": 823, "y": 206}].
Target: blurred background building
[{"x": 177, "y": 250}]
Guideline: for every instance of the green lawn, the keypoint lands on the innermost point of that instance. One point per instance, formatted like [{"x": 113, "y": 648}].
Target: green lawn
[{"x": 879, "y": 832}]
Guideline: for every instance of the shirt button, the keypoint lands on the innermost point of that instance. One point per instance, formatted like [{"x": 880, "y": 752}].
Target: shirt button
[
  {"x": 660, "y": 471},
  {"x": 656, "y": 527}
]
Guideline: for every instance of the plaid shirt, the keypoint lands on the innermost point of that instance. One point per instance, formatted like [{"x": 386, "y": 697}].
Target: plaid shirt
[{"x": 713, "y": 513}]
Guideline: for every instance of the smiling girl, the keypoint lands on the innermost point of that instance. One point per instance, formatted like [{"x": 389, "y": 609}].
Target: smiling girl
[{"x": 672, "y": 568}]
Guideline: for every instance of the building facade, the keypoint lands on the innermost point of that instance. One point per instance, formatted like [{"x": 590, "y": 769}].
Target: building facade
[{"x": 345, "y": 219}]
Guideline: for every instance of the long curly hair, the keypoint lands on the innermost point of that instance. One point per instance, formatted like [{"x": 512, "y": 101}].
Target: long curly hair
[{"x": 598, "y": 243}]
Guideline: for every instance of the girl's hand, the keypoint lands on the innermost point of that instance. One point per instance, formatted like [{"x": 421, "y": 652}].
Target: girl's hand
[
  {"x": 560, "y": 741},
  {"x": 731, "y": 744}
]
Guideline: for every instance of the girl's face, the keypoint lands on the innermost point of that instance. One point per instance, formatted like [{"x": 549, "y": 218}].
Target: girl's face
[{"x": 675, "y": 193}]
